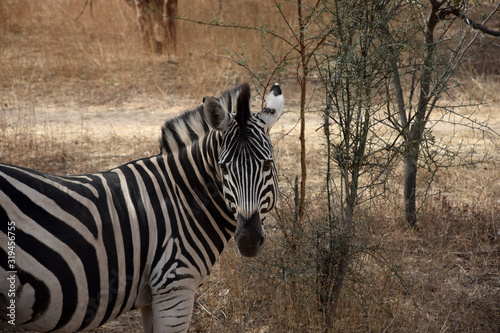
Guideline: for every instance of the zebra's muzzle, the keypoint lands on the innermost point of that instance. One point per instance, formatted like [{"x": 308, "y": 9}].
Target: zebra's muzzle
[{"x": 249, "y": 235}]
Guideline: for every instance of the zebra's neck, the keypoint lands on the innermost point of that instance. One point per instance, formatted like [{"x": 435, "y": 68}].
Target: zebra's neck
[{"x": 190, "y": 151}]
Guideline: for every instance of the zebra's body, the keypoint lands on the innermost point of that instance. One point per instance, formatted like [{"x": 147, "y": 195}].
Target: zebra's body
[{"x": 145, "y": 234}]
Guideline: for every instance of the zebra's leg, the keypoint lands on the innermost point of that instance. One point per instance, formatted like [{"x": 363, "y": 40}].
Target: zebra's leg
[
  {"x": 147, "y": 319},
  {"x": 172, "y": 310}
]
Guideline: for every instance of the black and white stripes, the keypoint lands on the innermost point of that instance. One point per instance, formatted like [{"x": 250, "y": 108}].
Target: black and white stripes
[{"x": 145, "y": 234}]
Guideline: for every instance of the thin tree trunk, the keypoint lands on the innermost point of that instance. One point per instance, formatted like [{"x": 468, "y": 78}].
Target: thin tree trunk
[
  {"x": 410, "y": 187},
  {"x": 303, "y": 92},
  {"x": 415, "y": 137},
  {"x": 170, "y": 28}
]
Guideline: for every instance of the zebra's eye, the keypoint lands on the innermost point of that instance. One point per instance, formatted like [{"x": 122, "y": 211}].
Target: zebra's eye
[
  {"x": 223, "y": 168},
  {"x": 267, "y": 165}
]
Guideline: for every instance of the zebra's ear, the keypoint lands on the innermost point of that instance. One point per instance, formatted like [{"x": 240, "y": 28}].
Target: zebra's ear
[
  {"x": 273, "y": 108},
  {"x": 215, "y": 114}
]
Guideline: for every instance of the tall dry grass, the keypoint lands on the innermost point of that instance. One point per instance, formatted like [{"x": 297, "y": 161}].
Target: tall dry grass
[{"x": 82, "y": 95}]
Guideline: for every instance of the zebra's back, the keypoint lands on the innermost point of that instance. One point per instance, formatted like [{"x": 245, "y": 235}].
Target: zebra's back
[{"x": 76, "y": 244}]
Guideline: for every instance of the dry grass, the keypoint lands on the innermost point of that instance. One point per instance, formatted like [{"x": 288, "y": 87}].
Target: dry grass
[{"x": 82, "y": 96}]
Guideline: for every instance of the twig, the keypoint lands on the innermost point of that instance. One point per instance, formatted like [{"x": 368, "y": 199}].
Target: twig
[
  {"x": 461, "y": 14},
  {"x": 89, "y": 2}
]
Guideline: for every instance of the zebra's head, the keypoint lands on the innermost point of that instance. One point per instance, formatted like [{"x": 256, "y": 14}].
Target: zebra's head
[{"x": 245, "y": 160}]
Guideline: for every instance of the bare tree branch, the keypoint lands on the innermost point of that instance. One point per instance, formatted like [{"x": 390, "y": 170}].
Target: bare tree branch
[{"x": 443, "y": 13}]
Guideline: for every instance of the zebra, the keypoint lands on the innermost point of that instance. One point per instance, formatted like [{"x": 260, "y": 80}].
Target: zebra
[{"x": 142, "y": 235}]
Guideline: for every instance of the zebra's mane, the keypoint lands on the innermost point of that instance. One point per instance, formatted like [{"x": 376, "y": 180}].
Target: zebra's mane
[
  {"x": 237, "y": 102},
  {"x": 183, "y": 130},
  {"x": 191, "y": 126}
]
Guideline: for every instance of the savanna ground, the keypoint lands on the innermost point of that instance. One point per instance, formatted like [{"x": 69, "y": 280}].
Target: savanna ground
[{"x": 81, "y": 95}]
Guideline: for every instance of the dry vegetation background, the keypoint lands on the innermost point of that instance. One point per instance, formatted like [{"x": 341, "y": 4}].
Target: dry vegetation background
[{"x": 82, "y": 95}]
